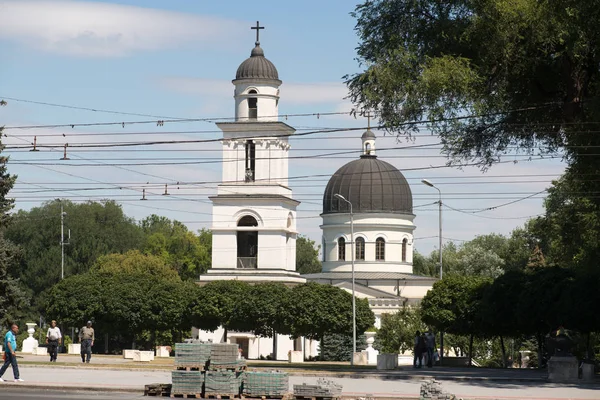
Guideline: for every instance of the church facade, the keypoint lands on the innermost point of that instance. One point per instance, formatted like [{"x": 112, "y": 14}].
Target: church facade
[
  {"x": 369, "y": 202},
  {"x": 254, "y": 214}
]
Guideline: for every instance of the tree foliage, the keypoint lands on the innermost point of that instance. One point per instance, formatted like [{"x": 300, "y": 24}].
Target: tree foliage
[
  {"x": 96, "y": 229},
  {"x": 186, "y": 252},
  {"x": 526, "y": 72},
  {"x": 135, "y": 263},
  {"x": 307, "y": 256},
  {"x": 316, "y": 309},
  {"x": 454, "y": 304},
  {"x": 397, "y": 332}
]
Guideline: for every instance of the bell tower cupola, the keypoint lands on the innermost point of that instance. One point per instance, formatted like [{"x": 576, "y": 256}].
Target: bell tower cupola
[
  {"x": 368, "y": 139},
  {"x": 256, "y": 87}
]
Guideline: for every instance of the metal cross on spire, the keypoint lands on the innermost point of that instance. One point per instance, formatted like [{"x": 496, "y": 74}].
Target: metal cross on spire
[
  {"x": 368, "y": 115},
  {"x": 258, "y": 28}
]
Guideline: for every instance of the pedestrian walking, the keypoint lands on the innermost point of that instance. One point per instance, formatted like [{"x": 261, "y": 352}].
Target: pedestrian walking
[
  {"x": 430, "y": 346},
  {"x": 10, "y": 357},
  {"x": 53, "y": 340},
  {"x": 86, "y": 338}
]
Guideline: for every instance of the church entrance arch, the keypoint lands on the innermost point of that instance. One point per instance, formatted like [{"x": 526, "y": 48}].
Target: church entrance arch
[{"x": 247, "y": 243}]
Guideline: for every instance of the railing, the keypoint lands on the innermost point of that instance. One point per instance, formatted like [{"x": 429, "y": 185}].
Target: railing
[{"x": 247, "y": 262}]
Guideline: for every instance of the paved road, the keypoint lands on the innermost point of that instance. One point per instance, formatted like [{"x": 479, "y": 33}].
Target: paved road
[{"x": 109, "y": 379}]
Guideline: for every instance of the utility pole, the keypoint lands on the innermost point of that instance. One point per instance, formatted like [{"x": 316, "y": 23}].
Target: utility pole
[{"x": 62, "y": 242}]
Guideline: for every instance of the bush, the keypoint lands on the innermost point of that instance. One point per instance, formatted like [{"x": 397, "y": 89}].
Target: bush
[{"x": 337, "y": 347}]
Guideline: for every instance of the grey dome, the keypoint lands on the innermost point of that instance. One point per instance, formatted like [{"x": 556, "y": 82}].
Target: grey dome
[
  {"x": 257, "y": 66},
  {"x": 371, "y": 185},
  {"x": 368, "y": 135}
]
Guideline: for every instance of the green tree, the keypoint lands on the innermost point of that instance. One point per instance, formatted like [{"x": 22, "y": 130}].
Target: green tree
[
  {"x": 215, "y": 304},
  {"x": 397, "y": 332},
  {"x": 263, "y": 310},
  {"x": 186, "y": 252},
  {"x": 454, "y": 305},
  {"x": 307, "y": 256},
  {"x": 338, "y": 347},
  {"x": 96, "y": 229},
  {"x": 135, "y": 263},
  {"x": 525, "y": 71},
  {"x": 13, "y": 299},
  {"x": 424, "y": 265},
  {"x": 316, "y": 309}
]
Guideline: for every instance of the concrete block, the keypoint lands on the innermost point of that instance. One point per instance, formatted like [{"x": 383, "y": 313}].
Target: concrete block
[
  {"x": 128, "y": 353},
  {"x": 387, "y": 361},
  {"x": 162, "y": 351},
  {"x": 40, "y": 351},
  {"x": 143, "y": 356},
  {"x": 74, "y": 348},
  {"x": 295, "y": 356},
  {"x": 360, "y": 358},
  {"x": 563, "y": 369},
  {"x": 587, "y": 370}
]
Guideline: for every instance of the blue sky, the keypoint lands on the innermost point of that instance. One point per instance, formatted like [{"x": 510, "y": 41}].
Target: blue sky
[{"x": 176, "y": 59}]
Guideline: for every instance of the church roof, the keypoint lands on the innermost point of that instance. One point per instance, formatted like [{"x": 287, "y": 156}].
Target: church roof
[
  {"x": 368, "y": 134},
  {"x": 257, "y": 66},
  {"x": 371, "y": 185}
]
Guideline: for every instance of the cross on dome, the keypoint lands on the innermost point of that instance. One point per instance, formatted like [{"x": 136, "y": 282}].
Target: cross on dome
[{"x": 258, "y": 28}]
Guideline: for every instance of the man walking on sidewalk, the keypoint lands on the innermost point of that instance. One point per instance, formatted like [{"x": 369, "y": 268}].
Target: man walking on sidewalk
[
  {"x": 10, "y": 357},
  {"x": 86, "y": 338},
  {"x": 53, "y": 339}
]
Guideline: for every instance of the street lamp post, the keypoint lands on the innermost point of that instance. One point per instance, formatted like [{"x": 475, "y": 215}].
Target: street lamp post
[
  {"x": 428, "y": 183},
  {"x": 339, "y": 196}
]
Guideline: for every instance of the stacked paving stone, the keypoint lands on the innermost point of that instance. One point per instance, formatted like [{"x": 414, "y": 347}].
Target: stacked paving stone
[
  {"x": 192, "y": 355},
  {"x": 323, "y": 388},
  {"x": 272, "y": 384},
  {"x": 223, "y": 382},
  {"x": 432, "y": 390},
  {"x": 224, "y": 355},
  {"x": 187, "y": 382}
]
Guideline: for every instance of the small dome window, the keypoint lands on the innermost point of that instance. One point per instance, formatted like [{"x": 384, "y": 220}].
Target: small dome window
[
  {"x": 252, "y": 105},
  {"x": 341, "y": 249}
]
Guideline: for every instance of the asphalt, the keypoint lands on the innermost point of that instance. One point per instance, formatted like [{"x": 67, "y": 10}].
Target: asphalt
[{"x": 116, "y": 374}]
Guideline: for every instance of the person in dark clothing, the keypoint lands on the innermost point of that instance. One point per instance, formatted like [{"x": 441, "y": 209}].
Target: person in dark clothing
[{"x": 419, "y": 349}]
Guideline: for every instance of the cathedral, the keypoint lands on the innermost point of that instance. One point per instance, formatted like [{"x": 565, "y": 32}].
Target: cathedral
[{"x": 367, "y": 201}]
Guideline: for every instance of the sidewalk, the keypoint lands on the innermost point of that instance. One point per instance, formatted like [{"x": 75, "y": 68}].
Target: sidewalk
[{"x": 113, "y": 373}]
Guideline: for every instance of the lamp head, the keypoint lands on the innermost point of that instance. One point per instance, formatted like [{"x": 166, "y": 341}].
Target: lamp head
[
  {"x": 425, "y": 181},
  {"x": 339, "y": 196}
]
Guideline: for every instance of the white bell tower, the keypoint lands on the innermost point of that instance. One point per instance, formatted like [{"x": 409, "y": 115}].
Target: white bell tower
[{"x": 254, "y": 214}]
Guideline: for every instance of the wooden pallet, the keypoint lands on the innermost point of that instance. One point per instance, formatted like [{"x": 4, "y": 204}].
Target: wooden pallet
[
  {"x": 187, "y": 395},
  {"x": 221, "y": 396},
  {"x": 336, "y": 397},
  {"x": 201, "y": 368},
  {"x": 249, "y": 397},
  {"x": 157, "y": 389},
  {"x": 217, "y": 367}
]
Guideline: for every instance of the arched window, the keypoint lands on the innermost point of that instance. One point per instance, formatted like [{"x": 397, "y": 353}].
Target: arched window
[
  {"x": 380, "y": 249},
  {"x": 252, "y": 106},
  {"x": 341, "y": 249},
  {"x": 368, "y": 148},
  {"x": 360, "y": 248},
  {"x": 247, "y": 220},
  {"x": 404, "y": 244},
  {"x": 247, "y": 243}
]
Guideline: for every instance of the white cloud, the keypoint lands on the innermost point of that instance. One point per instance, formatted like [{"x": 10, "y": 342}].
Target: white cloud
[{"x": 92, "y": 29}]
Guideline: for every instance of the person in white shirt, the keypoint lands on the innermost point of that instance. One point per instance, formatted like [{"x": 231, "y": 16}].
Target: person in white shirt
[{"x": 53, "y": 340}]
